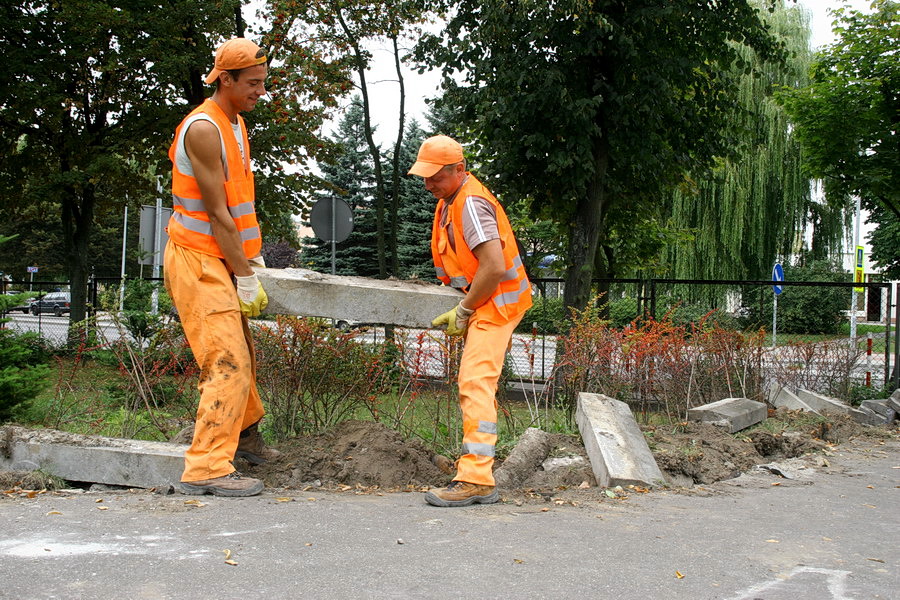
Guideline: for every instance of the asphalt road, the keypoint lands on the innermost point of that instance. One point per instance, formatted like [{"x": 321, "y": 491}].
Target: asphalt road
[{"x": 830, "y": 534}]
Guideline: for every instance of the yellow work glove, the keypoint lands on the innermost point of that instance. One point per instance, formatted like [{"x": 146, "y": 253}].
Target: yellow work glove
[
  {"x": 251, "y": 295},
  {"x": 456, "y": 319}
]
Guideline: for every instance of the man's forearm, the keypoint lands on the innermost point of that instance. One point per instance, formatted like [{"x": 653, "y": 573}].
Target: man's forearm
[{"x": 229, "y": 241}]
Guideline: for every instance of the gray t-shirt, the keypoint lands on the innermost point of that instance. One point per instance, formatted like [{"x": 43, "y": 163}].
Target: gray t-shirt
[{"x": 479, "y": 222}]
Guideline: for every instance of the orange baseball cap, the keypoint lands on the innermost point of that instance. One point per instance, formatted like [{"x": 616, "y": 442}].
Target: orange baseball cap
[
  {"x": 236, "y": 53},
  {"x": 436, "y": 152}
]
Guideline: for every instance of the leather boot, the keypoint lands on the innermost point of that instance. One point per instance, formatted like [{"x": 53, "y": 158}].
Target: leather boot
[{"x": 253, "y": 449}]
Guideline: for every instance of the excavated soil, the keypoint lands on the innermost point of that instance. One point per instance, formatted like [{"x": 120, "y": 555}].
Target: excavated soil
[{"x": 367, "y": 455}]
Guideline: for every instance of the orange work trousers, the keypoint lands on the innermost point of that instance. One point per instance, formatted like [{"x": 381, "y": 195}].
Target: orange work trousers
[
  {"x": 479, "y": 370},
  {"x": 219, "y": 335}
]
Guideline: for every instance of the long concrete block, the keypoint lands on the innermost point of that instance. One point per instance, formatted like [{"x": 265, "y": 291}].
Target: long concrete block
[
  {"x": 310, "y": 294},
  {"x": 618, "y": 452},
  {"x": 867, "y": 416},
  {"x": 94, "y": 459},
  {"x": 894, "y": 402},
  {"x": 738, "y": 413},
  {"x": 781, "y": 397},
  {"x": 822, "y": 403},
  {"x": 880, "y": 407}
]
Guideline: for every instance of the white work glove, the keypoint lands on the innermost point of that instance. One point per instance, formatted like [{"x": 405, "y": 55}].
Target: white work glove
[
  {"x": 257, "y": 261},
  {"x": 456, "y": 319},
  {"x": 251, "y": 295}
]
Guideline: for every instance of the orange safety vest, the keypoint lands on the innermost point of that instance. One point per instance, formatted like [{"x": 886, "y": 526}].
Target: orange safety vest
[
  {"x": 189, "y": 225},
  {"x": 457, "y": 267}
]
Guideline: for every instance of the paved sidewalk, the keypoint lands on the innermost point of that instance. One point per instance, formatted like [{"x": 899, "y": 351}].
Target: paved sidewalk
[{"x": 830, "y": 534}]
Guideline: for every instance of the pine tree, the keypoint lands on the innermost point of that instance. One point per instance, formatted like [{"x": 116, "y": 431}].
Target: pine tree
[
  {"x": 415, "y": 214},
  {"x": 351, "y": 178}
]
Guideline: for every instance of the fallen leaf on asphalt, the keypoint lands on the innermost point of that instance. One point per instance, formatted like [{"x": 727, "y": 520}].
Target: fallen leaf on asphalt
[
  {"x": 344, "y": 488},
  {"x": 518, "y": 561},
  {"x": 98, "y": 500},
  {"x": 776, "y": 483},
  {"x": 545, "y": 509},
  {"x": 54, "y": 512},
  {"x": 400, "y": 541},
  {"x": 31, "y": 494},
  {"x": 679, "y": 575},
  {"x": 311, "y": 499},
  {"x": 284, "y": 499},
  {"x": 196, "y": 503},
  {"x": 878, "y": 560},
  {"x": 559, "y": 502},
  {"x": 228, "y": 560},
  {"x": 870, "y": 506},
  {"x": 827, "y": 539},
  {"x": 584, "y": 485},
  {"x": 773, "y": 541},
  {"x": 871, "y": 487},
  {"x": 231, "y": 562},
  {"x": 102, "y": 508},
  {"x": 309, "y": 543},
  {"x": 609, "y": 493}
]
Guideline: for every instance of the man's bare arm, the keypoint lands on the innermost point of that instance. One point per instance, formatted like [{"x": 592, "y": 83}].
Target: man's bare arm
[
  {"x": 491, "y": 268},
  {"x": 204, "y": 148}
]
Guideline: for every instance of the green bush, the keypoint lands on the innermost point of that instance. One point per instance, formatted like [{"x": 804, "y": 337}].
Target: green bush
[
  {"x": 24, "y": 372},
  {"x": 548, "y": 313},
  {"x": 622, "y": 311},
  {"x": 802, "y": 309}
]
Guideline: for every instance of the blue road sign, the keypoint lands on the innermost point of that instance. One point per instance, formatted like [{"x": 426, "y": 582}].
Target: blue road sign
[{"x": 777, "y": 275}]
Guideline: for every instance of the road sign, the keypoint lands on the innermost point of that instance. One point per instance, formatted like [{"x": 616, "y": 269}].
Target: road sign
[
  {"x": 147, "y": 234},
  {"x": 777, "y": 276},
  {"x": 32, "y": 269},
  {"x": 331, "y": 219},
  {"x": 859, "y": 274}
]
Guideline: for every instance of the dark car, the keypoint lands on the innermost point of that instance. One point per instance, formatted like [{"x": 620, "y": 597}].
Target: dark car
[
  {"x": 24, "y": 305},
  {"x": 54, "y": 302}
]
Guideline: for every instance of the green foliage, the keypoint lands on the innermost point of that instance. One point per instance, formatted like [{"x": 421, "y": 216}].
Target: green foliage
[
  {"x": 24, "y": 370},
  {"x": 846, "y": 119},
  {"x": 648, "y": 89},
  {"x": 549, "y": 315},
  {"x": 802, "y": 309}
]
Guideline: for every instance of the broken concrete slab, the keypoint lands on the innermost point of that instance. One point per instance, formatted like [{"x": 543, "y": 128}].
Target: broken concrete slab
[
  {"x": 614, "y": 443},
  {"x": 307, "y": 293},
  {"x": 531, "y": 450},
  {"x": 880, "y": 407},
  {"x": 822, "y": 403},
  {"x": 88, "y": 458},
  {"x": 782, "y": 397},
  {"x": 738, "y": 413},
  {"x": 894, "y": 402},
  {"x": 867, "y": 416}
]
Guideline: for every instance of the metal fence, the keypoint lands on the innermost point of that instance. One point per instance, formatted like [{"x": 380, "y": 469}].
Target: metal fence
[{"x": 738, "y": 304}]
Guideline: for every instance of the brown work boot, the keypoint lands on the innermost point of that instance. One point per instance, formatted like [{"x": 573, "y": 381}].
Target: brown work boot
[
  {"x": 233, "y": 484},
  {"x": 462, "y": 493},
  {"x": 447, "y": 466},
  {"x": 253, "y": 449}
]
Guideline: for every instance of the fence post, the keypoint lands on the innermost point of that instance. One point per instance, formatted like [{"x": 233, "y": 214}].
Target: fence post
[{"x": 653, "y": 298}]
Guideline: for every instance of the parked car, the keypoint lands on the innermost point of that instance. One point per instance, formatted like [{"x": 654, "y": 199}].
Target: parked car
[{"x": 54, "y": 302}]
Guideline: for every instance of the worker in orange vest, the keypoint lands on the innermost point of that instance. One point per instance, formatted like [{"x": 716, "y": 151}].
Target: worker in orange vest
[
  {"x": 214, "y": 239},
  {"x": 475, "y": 251}
]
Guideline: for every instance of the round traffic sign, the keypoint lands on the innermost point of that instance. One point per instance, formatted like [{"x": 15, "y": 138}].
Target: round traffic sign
[
  {"x": 777, "y": 276},
  {"x": 331, "y": 219}
]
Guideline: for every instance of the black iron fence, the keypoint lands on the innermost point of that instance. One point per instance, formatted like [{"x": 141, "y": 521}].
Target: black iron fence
[{"x": 803, "y": 310}]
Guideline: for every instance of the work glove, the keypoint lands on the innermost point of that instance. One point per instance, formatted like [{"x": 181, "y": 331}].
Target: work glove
[
  {"x": 456, "y": 319},
  {"x": 257, "y": 261},
  {"x": 251, "y": 295}
]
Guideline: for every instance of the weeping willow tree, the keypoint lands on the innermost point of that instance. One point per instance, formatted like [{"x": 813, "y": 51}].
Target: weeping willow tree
[{"x": 748, "y": 212}]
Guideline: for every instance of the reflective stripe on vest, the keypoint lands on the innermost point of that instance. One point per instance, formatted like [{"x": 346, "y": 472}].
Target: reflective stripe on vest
[
  {"x": 189, "y": 225},
  {"x": 478, "y": 449},
  {"x": 457, "y": 266}
]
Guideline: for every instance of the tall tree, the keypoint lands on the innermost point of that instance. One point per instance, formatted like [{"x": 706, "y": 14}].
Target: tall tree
[
  {"x": 751, "y": 210},
  {"x": 415, "y": 213},
  {"x": 593, "y": 107},
  {"x": 848, "y": 121}
]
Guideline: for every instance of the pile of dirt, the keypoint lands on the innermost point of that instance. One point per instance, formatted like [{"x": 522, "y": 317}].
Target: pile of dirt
[
  {"x": 355, "y": 453},
  {"x": 370, "y": 455}
]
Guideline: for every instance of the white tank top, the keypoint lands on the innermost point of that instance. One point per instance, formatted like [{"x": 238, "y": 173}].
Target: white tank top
[{"x": 183, "y": 161}]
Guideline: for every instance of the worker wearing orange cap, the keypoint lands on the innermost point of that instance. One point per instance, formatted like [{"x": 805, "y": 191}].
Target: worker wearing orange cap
[
  {"x": 474, "y": 250},
  {"x": 214, "y": 236}
]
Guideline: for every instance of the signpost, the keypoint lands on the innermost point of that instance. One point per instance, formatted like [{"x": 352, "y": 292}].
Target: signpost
[
  {"x": 31, "y": 272},
  {"x": 332, "y": 221},
  {"x": 777, "y": 277},
  {"x": 859, "y": 276}
]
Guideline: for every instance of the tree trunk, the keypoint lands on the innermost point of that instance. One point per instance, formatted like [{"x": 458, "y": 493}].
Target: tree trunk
[
  {"x": 77, "y": 222},
  {"x": 584, "y": 232},
  {"x": 395, "y": 176}
]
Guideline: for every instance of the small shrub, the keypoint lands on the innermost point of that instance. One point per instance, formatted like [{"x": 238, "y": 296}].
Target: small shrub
[
  {"x": 24, "y": 372},
  {"x": 547, "y": 314}
]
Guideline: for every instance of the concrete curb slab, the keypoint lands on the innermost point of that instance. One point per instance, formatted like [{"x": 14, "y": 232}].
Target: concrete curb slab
[
  {"x": 738, "y": 413},
  {"x": 112, "y": 461},
  {"x": 615, "y": 445},
  {"x": 357, "y": 299},
  {"x": 823, "y": 403}
]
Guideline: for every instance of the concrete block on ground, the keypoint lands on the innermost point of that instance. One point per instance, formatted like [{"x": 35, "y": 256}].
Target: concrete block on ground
[
  {"x": 781, "y": 397},
  {"x": 823, "y": 403},
  {"x": 867, "y": 416},
  {"x": 880, "y": 407},
  {"x": 310, "y": 294},
  {"x": 615, "y": 445},
  {"x": 738, "y": 413},
  {"x": 88, "y": 458},
  {"x": 894, "y": 402}
]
